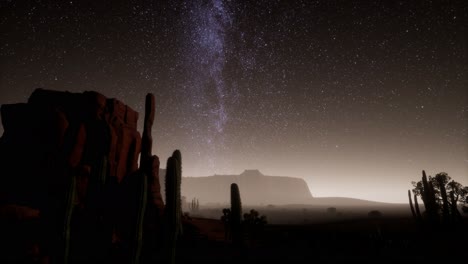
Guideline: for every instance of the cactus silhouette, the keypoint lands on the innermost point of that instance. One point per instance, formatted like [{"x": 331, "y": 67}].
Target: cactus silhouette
[
  {"x": 416, "y": 207},
  {"x": 445, "y": 203},
  {"x": 253, "y": 224},
  {"x": 428, "y": 196},
  {"x": 146, "y": 138},
  {"x": 236, "y": 214},
  {"x": 453, "y": 208},
  {"x": 142, "y": 191},
  {"x": 413, "y": 212},
  {"x": 225, "y": 218},
  {"x": 194, "y": 205},
  {"x": 173, "y": 203},
  {"x": 69, "y": 206},
  {"x": 440, "y": 202},
  {"x": 178, "y": 156}
]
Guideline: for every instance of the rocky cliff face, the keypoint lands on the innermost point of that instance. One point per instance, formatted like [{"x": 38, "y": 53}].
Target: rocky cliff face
[
  {"x": 73, "y": 157},
  {"x": 55, "y": 133},
  {"x": 255, "y": 188}
]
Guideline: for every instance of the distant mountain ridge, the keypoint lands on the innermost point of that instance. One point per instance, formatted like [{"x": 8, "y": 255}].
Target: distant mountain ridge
[
  {"x": 343, "y": 201},
  {"x": 255, "y": 188}
]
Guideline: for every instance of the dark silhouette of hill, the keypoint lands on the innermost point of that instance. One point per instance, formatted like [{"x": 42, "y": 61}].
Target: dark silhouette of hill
[
  {"x": 343, "y": 201},
  {"x": 256, "y": 188}
]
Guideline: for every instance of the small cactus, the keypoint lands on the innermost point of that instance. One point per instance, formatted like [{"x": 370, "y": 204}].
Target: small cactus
[
  {"x": 254, "y": 223},
  {"x": 194, "y": 205},
  {"x": 225, "y": 218}
]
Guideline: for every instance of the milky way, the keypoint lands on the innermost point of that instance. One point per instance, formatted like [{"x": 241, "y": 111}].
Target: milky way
[
  {"x": 204, "y": 54},
  {"x": 355, "y": 97}
]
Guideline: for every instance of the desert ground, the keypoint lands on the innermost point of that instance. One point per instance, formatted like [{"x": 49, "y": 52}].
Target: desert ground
[{"x": 293, "y": 235}]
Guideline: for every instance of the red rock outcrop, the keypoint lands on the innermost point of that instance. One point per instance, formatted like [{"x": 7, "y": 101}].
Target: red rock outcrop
[
  {"x": 65, "y": 130},
  {"x": 56, "y": 136}
]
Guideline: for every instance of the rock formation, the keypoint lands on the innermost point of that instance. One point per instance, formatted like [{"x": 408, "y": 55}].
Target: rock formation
[
  {"x": 59, "y": 136},
  {"x": 256, "y": 188}
]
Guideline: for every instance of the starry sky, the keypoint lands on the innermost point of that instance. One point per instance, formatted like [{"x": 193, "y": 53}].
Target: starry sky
[{"x": 356, "y": 97}]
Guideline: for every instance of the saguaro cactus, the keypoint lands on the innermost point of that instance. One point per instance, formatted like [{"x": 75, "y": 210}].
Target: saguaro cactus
[
  {"x": 445, "y": 203},
  {"x": 69, "y": 206},
  {"x": 147, "y": 139},
  {"x": 142, "y": 191},
  {"x": 150, "y": 163},
  {"x": 411, "y": 205},
  {"x": 414, "y": 209},
  {"x": 178, "y": 197},
  {"x": 416, "y": 206},
  {"x": 236, "y": 214},
  {"x": 428, "y": 196},
  {"x": 453, "y": 208},
  {"x": 173, "y": 204}
]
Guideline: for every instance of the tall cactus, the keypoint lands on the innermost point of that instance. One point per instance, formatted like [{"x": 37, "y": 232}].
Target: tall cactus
[
  {"x": 434, "y": 215},
  {"x": 142, "y": 197},
  {"x": 453, "y": 208},
  {"x": 428, "y": 196},
  {"x": 102, "y": 173},
  {"x": 173, "y": 202},
  {"x": 416, "y": 207},
  {"x": 411, "y": 205},
  {"x": 69, "y": 206},
  {"x": 441, "y": 213},
  {"x": 445, "y": 203},
  {"x": 150, "y": 163},
  {"x": 236, "y": 214},
  {"x": 178, "y": 156},
  {"x": 147, "y": 139}
]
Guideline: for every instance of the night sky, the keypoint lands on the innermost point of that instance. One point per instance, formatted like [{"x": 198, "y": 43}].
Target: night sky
[{"x": 355, "y": 97}]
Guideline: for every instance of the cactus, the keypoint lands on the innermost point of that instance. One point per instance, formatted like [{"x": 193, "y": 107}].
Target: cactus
[
  {"x": 453, "y": 209},
  {"x": 440, "y": 211},
  {"x": 416, "y": 206},
  {"x": 142, "y": 198},
  {"x": 178, "y": 156},
  {"x": 425, "y": 190},
  {"x": 146, "y": 139},
  {"x": 428, "y": 196},
  {"x": 149, "y": 163},
  {"x": 411, "y": 205},
  {"x": 69, "y": 206},
  {"x": 434, "y": 216},
  {"x": 173, "y": 204},
  {"x": 254, "y": 224},
  {"x": 445, "y": 203},
  {"x": 194, "y": 205},
  {"x": 236, "y": 213},
  {"x": 441, "y": 207},
  {"x": 225, "y": 218},
  {"x": 102, "y": 173}
]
